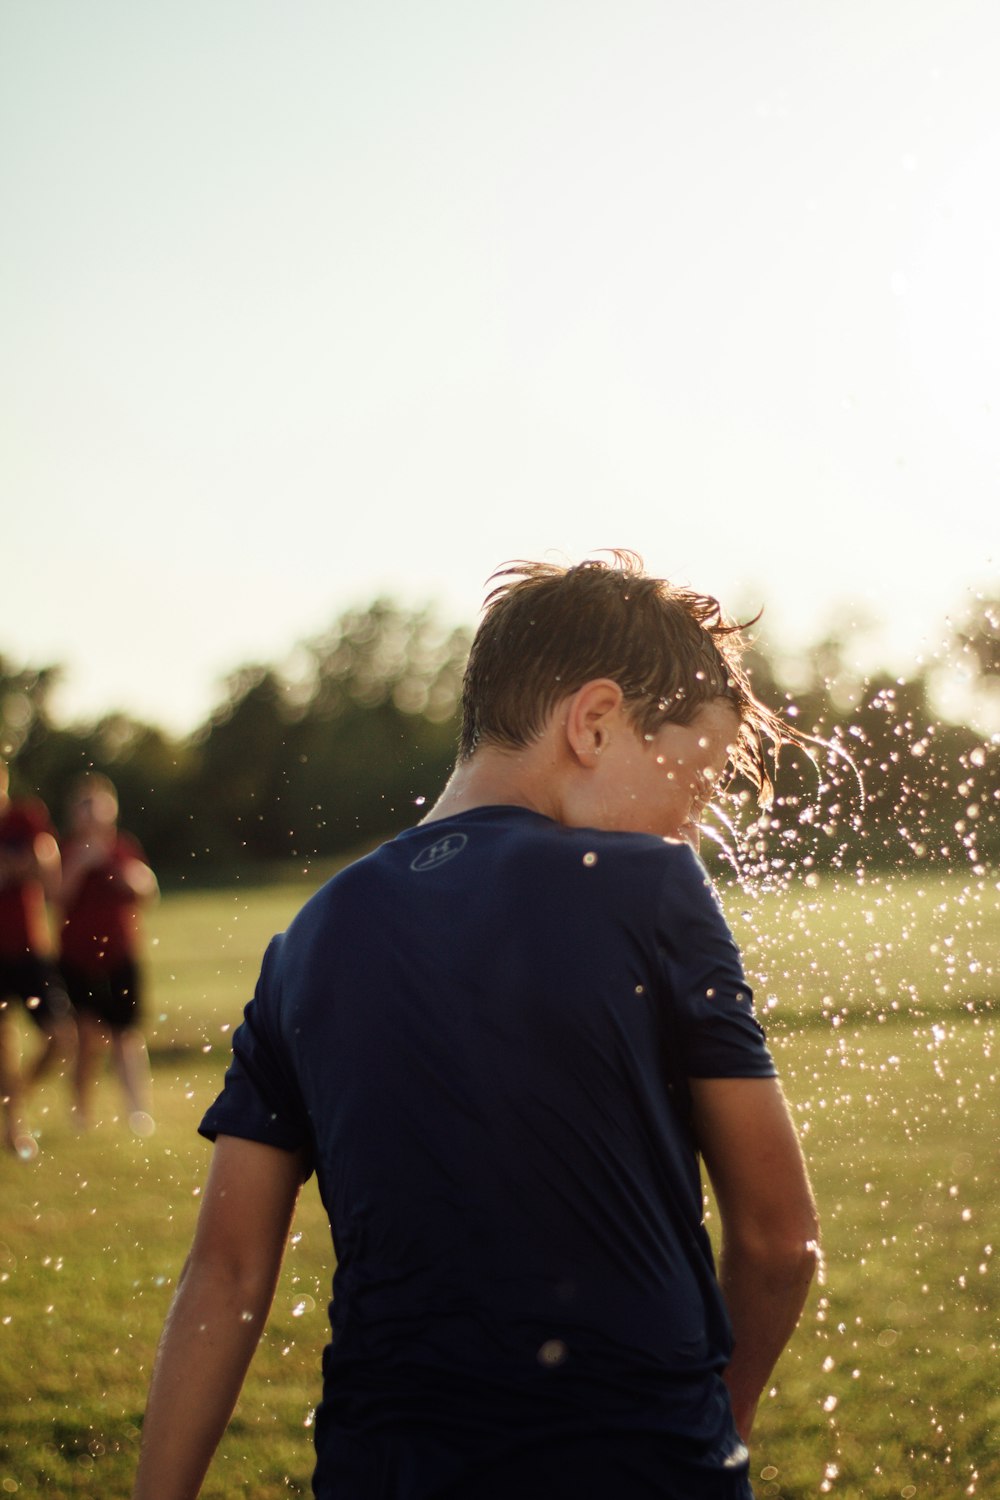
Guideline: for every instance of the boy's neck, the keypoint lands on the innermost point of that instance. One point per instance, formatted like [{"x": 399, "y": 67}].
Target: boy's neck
[{"x": 493, "y": 777}]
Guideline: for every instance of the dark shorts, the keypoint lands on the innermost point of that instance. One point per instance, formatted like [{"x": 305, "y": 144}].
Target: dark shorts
[
  {"x": 114, "y": 998},
  {"x": 638, "y": 1466},
  {"x": 39, "y": 985}
]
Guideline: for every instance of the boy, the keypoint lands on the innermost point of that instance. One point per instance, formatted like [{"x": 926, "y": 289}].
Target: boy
[{"x": 501, "y": 1041}]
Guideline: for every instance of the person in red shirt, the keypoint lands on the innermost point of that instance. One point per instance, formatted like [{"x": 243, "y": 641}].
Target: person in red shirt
[
  {"x": 105, "y": 882},
  {"x": 29, "y": 874}
]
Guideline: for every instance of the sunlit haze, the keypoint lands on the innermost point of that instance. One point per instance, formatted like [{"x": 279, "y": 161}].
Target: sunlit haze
[{"x": 301, "y": 304}]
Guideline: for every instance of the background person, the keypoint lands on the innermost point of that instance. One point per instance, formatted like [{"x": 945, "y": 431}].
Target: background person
[
  {"x": 501, "y": 1042},
  {"x": 29, "y": 873},
  {"x": 105, "y": 883}
]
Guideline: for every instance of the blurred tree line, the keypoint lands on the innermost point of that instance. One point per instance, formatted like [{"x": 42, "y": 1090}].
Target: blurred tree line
[
  {"x": 326, "y": 754},
  {"x": 339, "y": 747}
]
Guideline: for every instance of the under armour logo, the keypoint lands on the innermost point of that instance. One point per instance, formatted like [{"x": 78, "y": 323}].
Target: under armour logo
[{"x": 439, "y": 853}]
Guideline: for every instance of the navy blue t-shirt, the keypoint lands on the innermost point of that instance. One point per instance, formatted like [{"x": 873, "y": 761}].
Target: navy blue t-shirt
[{"x": 481, "y": 1035}]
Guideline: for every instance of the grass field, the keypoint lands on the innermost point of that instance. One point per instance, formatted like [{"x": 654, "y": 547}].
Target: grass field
[{"x": 879, "y": 1004}]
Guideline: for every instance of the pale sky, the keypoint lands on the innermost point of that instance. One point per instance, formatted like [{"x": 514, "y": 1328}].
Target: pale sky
[{"x": 305, "y": 301}]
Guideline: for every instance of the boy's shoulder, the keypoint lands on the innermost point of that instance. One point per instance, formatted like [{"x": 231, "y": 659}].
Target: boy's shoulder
[
  {"x": 24, "y": 819},
  {"x": 512, "y": 842},
  {"x": 515, "y": 832}
]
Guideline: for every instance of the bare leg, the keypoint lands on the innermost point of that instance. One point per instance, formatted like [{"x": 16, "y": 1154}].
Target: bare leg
[
  {"x": 10, "y": 1084},
  {"x": 17, "y": 1137},
  {"x": 90, "y": 1044},
  {"x": 57, "y": 1046},
  {"x": 132, "y": 1062}
]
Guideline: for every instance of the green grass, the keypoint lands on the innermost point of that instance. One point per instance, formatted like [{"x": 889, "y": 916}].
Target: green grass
[
  {"x": 205, "y": 949},
  {"x": 94, "y": 1235},
  {"x": 883, "y": 1029}
]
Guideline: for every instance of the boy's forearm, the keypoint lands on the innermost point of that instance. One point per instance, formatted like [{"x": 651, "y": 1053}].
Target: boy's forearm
[
  {"x": 223, "y": 1298},
  {"x": 765, "y": 1297},
  {"x": 208, "y": 1341}
]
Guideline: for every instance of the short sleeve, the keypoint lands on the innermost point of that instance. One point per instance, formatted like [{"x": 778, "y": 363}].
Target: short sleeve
[
  {"x": 713, "y": 1024},
  {"x": 128, "y": 847},
  {"x": 260, "y": 1100}
]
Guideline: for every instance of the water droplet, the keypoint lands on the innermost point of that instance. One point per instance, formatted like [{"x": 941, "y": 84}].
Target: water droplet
[{"x": 590, "y": 859}]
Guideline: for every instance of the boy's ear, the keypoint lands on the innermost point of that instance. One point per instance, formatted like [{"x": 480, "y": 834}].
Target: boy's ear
[{"x": 589, "y": 715}]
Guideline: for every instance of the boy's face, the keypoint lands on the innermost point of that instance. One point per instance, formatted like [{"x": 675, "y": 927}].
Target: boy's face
[{"x": 662, "y": 785}]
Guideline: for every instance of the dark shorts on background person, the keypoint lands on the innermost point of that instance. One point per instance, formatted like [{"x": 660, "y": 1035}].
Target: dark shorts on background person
[
  {"x": 37, "y": 982},
  {"x": 114, "y": 998}
]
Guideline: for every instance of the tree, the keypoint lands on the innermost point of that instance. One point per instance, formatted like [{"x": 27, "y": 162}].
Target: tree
[
  {"x": 24, "y": 706},
  {"x": 332, "y": 750}
]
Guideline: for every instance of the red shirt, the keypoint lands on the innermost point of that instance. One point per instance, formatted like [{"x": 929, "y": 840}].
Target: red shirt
[
  {"x": 101, "y": 923},
  {"x": 23, "y": 928}
]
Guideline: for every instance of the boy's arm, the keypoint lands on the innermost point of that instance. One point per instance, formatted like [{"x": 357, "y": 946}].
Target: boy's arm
[
  {"x": 139, "y": 880},
  {"x": 769, "y": 1226},
  {"x": 47, "y": 863},
  {"x": 36, "y": 859},
  {"x": 217, "y": 1315}
]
